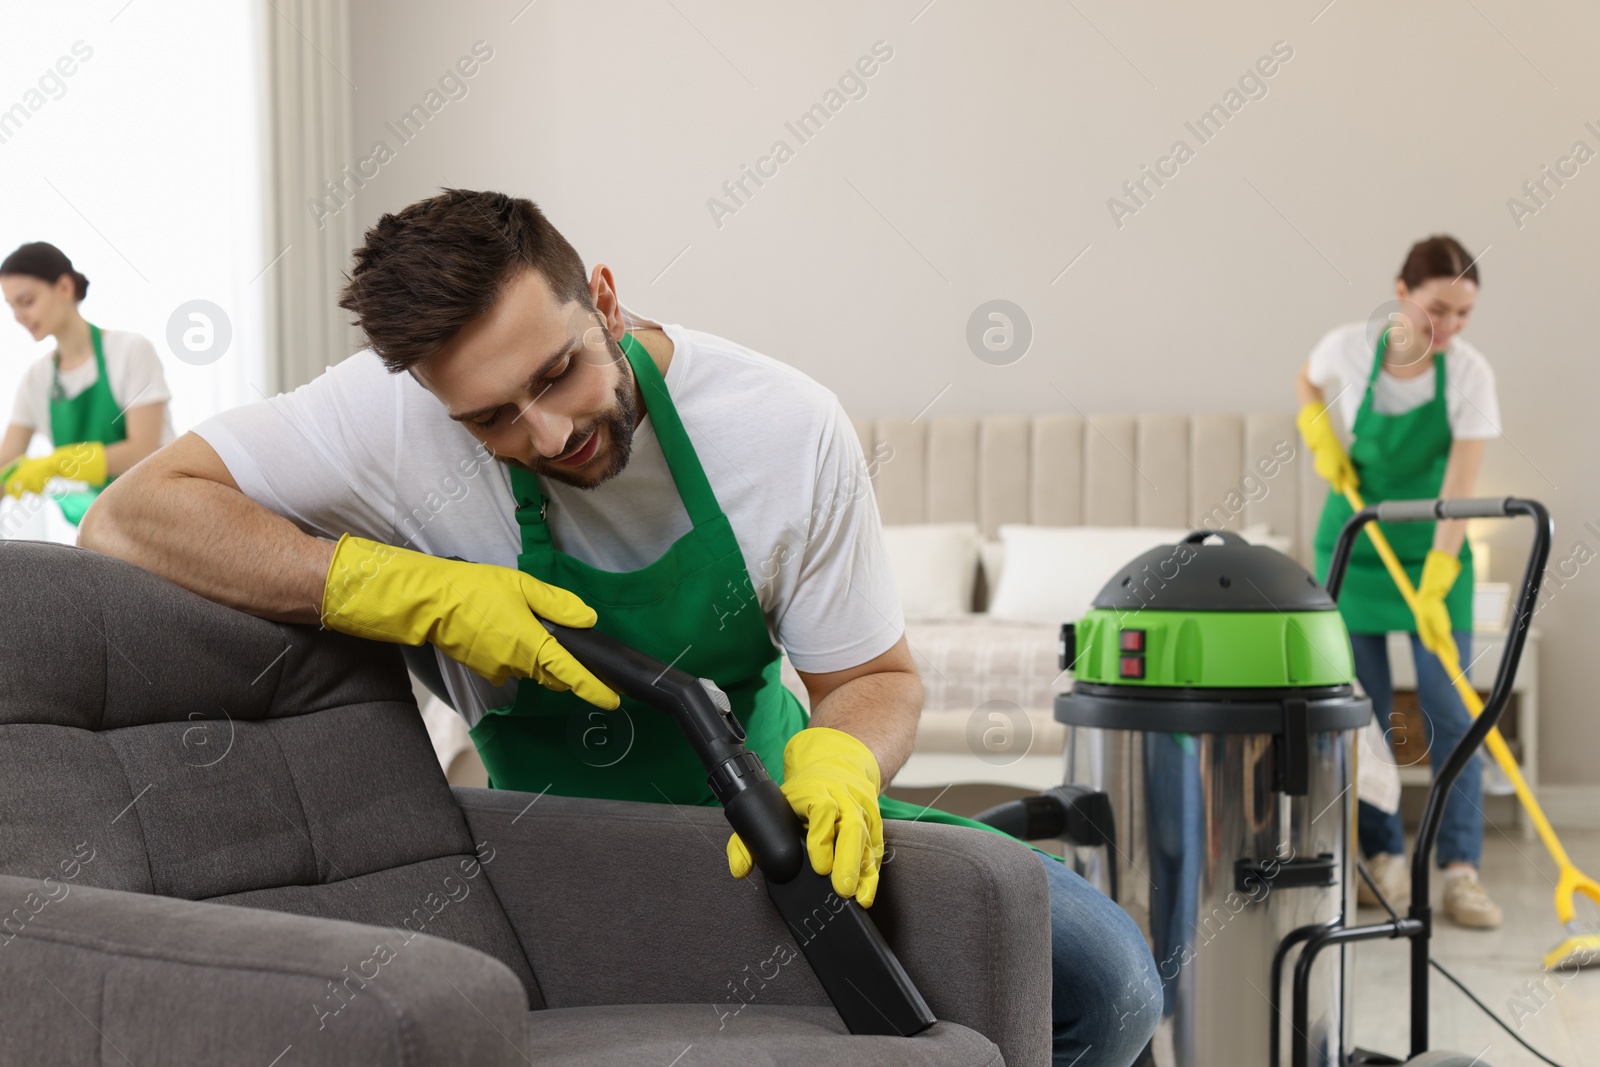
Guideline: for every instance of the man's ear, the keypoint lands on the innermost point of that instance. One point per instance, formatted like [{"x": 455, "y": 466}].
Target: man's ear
[{"x": 603, "y": 294}]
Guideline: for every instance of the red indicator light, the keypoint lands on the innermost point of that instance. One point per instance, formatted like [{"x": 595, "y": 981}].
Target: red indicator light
[
  {"x": 1132, "y": 666},
  {"x": 1132, "y": 640}
]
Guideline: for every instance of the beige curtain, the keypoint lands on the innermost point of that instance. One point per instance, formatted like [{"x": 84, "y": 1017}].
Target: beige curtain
[{"x": 310, "y": 99}]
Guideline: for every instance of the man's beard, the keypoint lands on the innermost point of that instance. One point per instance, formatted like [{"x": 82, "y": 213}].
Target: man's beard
[{"x": 619, "y": 423}]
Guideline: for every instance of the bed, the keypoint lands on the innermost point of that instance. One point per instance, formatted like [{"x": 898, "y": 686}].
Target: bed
[{"x": 991, "y": 679}]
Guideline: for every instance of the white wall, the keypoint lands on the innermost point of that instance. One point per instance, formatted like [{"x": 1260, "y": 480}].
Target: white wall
[
  {"x": 979, "y": 165},
  {"x": 143, "y": 166}
]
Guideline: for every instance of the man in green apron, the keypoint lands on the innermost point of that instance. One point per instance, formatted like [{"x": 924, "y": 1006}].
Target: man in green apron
[
  {"x": 573, "y": 400},
  {"x": 80, "y": 428},
  {"x": 1400, "y": 456},
  {"x": 561, "y": 733},
  {"x": 831, "y": 777}
]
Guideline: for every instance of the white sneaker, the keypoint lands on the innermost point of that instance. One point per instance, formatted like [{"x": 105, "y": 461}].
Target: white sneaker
[
  {"x": 1467, "y": 903},
  {"x": 1393, "y": 875}
]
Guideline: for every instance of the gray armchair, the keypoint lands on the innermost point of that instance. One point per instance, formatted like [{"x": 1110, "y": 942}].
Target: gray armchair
[{"x": 226, "y": 841}]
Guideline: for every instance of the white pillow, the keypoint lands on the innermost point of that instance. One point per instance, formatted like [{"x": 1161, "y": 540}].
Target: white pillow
[
  {"x": 935, "y": 565},
  {"x": 1052, "y": 573},
  {"x": 1261, "y": 534}
]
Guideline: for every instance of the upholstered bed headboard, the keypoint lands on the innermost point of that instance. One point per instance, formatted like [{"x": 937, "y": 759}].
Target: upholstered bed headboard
[{"x": 1217, "y": 471}]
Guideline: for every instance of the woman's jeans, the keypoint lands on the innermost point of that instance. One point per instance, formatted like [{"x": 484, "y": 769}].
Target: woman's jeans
[
  {"x": 1102, "y": 976},
  {"x": 1446, "y": 718}
]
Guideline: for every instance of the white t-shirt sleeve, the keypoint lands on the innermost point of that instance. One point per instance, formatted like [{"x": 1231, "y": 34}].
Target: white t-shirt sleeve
[
  {"x": 1473, "y": 402},
  {"x": 1329, "y": 366},
  {"x": 321, "y": 456},
  {"x": 844, "y": 609},
  {"x": 1337, "y": 368},
  {"x": 136, "y": 375}
]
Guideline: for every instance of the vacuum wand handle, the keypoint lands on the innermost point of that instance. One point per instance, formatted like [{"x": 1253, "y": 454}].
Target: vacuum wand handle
[
  {"x": 1432, "y": 510},
  {"x": 755, "y": 806}
]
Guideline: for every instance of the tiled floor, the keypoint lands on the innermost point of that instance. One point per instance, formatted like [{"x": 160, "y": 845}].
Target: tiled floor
[{"x": 1564, "y": 1024}]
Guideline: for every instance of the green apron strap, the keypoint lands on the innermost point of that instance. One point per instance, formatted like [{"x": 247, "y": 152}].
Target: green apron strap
[{"x": 694, "y": 488}]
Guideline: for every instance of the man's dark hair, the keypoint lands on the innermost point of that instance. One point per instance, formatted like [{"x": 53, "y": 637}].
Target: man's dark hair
[{"x": 423, "y": 274}]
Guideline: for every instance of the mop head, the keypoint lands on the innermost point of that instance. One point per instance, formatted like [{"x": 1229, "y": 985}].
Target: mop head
[{"x": 1580, "y": 949}]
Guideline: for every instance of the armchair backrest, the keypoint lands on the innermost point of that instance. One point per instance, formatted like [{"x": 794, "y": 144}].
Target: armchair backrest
[{"x": 154, "y": 741}]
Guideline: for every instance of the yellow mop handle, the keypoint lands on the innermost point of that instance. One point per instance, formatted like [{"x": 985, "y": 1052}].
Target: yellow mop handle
[{"x": 1469, "y": 696}]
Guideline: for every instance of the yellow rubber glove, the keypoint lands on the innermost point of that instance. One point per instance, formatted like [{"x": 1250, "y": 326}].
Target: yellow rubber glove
[
  {"x": 1439, "y": 572},
  {"x": 476, "y": 613},
  {"x": 1316, "y": 426},
  {"x": 81, "y": 462},
  {"x": 831, "y": 781}
]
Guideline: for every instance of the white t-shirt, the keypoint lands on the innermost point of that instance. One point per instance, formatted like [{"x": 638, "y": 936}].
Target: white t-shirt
[
  {"x": 131, "y": 364},
  {"x": 1342, "y": 362},
  {"x": 375, "y": 454}
]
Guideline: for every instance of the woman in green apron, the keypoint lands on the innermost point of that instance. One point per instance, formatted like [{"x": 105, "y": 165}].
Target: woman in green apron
[
  {"x": 72, "y": 394},
  {"x": 1418, "y": 403}
]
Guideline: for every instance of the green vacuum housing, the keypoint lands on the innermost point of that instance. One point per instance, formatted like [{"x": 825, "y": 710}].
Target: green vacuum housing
[
  {"x": 1236, "y": 650},
  {"x": 1212, "y": 636},
  {"x": 1211, "y": 616}
]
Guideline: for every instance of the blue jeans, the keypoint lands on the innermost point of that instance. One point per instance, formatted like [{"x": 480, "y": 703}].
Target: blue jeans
[
  {"x": 1100, "y": 970},
  {"x": 1446, "y": 718},
  {"x": 1175, "y": 822}
]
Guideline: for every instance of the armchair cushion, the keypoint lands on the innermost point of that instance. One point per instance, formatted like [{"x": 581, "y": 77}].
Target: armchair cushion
[
  {"x": 632, "y": 904},
  {"x": 771, "y": 1035}
]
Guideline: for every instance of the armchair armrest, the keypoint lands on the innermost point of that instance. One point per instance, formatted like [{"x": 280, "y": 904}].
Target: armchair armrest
[
  {"x": 623, "y": 903},
  {"x": 103, "y": 976}
]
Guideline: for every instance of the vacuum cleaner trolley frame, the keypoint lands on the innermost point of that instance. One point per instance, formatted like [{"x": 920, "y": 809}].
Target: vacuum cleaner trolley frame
[{"x": 1417, "y": 924}]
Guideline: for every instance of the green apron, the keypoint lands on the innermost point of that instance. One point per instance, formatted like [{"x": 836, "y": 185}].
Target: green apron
[
  {"x": 92, "y": 415},
  {"x": 1397, "y": 457},
  {"x": 694, "y": 608}
]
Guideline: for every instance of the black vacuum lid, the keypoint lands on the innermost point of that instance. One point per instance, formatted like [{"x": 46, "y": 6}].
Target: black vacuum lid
[{"x": 1193, "y": 575}]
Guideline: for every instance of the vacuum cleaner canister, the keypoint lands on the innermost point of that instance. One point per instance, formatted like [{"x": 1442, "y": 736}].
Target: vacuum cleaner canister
[
  {"x": 1215, "y": 616},
  {"x": 1212, "y": 702}
]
